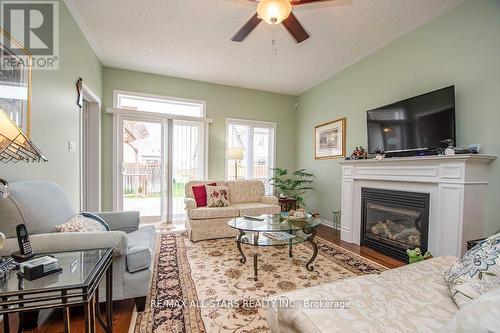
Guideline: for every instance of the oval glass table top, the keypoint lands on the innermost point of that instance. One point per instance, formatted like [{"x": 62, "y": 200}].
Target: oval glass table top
[{"x": 273, "y": 223}]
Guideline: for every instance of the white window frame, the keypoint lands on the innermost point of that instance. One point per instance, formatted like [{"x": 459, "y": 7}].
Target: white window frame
[
  {"x": 117, "y": 93},
  {"x": 252, "y": 124},
  {"x": 167, "y": 119}
]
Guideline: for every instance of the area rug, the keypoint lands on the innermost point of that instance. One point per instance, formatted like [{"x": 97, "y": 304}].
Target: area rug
[{"x": 203, "y": 287}]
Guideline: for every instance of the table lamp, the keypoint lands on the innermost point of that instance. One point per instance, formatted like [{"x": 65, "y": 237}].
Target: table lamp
[
  {"x": 236, "y": 154},
  {"x": 14, "y": 145}
]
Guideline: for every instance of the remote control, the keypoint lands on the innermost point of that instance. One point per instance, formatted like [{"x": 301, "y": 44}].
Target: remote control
[{"x": 254, "y": 218}]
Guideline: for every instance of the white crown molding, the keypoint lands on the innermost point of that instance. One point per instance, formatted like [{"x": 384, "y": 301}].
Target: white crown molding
[{"x": 73, "y": 9}]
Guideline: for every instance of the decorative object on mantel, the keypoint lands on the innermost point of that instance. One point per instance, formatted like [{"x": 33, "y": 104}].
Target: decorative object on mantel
[
  {"x": 358, "y": 154},
  {"x": 378, "y": 154},
  {"x": 15, "y": 73},
  {"x": 14, "y": 145},
  {"x": 472, "y": 149},
  {"x": 295, "y": 185},
  {"x": 416, "y": 255},
  {"x": 79, "y": 91},
  {"x": 450, "y": 149},
  {"x": 329, "y": 139}
]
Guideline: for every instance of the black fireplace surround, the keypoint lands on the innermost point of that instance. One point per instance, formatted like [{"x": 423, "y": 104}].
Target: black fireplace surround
[{"x": 394, "y": 221}]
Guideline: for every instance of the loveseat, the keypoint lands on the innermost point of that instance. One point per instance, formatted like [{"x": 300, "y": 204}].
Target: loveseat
[
  {"x": 412, "y": 298},
  {"x": 246, "y": 197},
  {"x": 42, "y": 205}
]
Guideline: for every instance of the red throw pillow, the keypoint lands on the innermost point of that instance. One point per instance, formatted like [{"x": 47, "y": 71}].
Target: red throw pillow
[{"x": 200, "y": 194}]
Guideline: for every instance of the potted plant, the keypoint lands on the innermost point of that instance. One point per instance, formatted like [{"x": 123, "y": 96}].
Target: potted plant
[{"x": 293, "y": 185}]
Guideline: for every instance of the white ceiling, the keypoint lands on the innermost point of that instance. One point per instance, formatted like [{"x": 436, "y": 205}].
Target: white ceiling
[{"x": 191, "y": 38}]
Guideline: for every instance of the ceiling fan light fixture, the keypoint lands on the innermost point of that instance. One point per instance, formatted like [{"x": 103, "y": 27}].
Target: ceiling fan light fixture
[{"x": 274, "y": 11}]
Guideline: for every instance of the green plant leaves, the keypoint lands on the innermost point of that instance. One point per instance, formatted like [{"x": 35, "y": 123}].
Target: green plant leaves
[{"x": 294, "y": 185}]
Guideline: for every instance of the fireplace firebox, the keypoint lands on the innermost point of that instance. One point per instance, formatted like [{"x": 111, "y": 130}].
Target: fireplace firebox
[{"x": 394, "y": 221}]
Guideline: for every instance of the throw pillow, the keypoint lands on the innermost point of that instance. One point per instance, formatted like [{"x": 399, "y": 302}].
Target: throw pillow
[
  {"x": 97, "y": 218},
  {"x": 200, "y": 194},
  {"x": 80, "y": 223},
  {"x": 481, "y": 315},
  {"x": 477, "y": 272},
  {"x": 217, "y": 196}
]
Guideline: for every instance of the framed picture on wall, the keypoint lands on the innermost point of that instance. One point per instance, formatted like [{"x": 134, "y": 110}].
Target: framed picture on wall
[
  {"x": 15, "y": 81},
  {"x": 329, "y": 139}
]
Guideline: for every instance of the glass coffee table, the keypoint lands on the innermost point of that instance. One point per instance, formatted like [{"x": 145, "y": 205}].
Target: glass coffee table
[{"x": 286, "y": 233}]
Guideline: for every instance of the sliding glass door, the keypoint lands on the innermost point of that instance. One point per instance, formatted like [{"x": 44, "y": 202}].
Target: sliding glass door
[
  {"x": 143, "y": 167},
  {"x": 188, "y": 161},
  {"x": 157, "y": 158}
]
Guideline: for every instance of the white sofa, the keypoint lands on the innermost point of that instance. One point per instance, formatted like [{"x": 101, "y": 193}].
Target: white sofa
[
  {"x": 246, "y": 197},
  {"x": 412, "y": 298}
]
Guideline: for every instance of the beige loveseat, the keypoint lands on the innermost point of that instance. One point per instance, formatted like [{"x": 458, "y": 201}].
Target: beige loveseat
[
  {"x": 412, "y": 298},
  {"x": 246, "y": 197}
]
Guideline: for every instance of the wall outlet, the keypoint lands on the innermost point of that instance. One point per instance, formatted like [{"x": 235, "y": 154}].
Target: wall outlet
[{"x": 71, "y": 146}]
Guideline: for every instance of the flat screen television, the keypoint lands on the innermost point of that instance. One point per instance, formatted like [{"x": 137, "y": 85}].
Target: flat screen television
[{"x": 413, "y": 126}]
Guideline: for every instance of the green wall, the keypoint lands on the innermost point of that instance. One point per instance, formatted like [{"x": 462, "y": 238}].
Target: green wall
[
  {"x": 54, "y": 114},
  {"x": 222, "y": 101},
  {"x": 462, "y": 47}
]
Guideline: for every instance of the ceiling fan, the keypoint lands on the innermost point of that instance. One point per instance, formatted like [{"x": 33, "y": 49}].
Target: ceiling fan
[{"x": 275, "y": 12}]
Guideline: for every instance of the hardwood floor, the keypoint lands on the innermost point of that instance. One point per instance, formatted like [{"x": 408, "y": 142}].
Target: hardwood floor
[{"x": 51, "y": 321}]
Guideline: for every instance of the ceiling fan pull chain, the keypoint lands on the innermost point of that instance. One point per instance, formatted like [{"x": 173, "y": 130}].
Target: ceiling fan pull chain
[{"x": 275, "y": 43}]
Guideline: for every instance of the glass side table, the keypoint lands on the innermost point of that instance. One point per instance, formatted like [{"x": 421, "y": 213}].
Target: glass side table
[{"x": 77, "y": 284}]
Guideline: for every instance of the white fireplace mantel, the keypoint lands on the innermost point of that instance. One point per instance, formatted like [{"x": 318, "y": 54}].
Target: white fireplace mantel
[{"x": 457, "y": 186}]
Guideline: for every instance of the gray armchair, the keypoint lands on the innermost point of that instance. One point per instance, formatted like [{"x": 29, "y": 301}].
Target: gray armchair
[{"x": 42, "y": 205}]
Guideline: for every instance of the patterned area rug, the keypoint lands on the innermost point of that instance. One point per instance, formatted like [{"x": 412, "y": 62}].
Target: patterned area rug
[{"x": 203, "y": 287}]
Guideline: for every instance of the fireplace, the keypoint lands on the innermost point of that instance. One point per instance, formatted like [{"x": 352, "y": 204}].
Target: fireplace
[{"x": 394, "y": 221}]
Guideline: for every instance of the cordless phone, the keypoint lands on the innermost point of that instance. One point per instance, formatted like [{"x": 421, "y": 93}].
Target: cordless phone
[{"x": 25, "y": 251}]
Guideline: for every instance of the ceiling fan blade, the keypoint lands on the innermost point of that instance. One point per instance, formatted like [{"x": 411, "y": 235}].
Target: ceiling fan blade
[
  {"x": 247, "y": 28},
  {"x": 295, "y": 28},
  {"x": 298, "y": 2},
  {"x": 303, "y": 2}
]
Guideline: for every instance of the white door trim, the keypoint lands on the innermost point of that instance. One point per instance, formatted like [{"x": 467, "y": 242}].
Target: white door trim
[{"x": 92, "y": 159}]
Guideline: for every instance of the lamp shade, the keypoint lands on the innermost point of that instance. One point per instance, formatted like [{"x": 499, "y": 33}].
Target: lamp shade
[
  {"x": 14, "y": 145},
  {"x": 274, "y": 11},
  {"x": 235, "y": 153}
]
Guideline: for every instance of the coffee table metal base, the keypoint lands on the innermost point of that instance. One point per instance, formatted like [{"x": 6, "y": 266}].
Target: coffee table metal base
[{"x": 239, "y": 240}]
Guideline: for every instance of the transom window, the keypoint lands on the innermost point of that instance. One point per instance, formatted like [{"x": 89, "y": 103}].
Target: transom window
[{"x": 158, "y": 104}]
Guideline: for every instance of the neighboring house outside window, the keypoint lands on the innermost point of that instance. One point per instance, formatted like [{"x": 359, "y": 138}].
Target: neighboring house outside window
[{"x": 257, "y": 140}]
